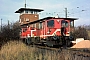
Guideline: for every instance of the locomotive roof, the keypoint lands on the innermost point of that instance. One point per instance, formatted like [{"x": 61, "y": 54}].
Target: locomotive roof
[
  {"x": 22, "y": 9},
  {"x": 40, "y": 20}
]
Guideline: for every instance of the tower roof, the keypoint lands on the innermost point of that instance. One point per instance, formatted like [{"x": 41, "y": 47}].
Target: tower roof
[{"x": 22, "y": 9}]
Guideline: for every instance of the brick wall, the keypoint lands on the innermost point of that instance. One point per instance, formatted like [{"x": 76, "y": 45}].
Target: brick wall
[{"x": 26, "y": 18}]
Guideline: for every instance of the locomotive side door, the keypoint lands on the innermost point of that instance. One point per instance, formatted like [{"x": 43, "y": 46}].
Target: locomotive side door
[{"x": 65, "y": 28}]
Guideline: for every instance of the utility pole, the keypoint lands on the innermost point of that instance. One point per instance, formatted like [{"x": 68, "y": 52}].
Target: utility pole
[
  {"x": 1, "y": 24},
  {"x": 65, "y": 12},
  {"x": 8, "y": 24}
]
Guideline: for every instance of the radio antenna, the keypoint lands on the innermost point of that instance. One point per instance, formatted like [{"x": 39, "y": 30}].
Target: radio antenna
[{"x": 25, "y": 3}]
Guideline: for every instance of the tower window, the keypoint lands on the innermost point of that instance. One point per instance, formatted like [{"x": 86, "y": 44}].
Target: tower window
[
  {"x": 27, "y": 20},
  {"x": 35, "y": 12},
  {"x": 26, "y": 11},
  {"x": 31, "y": 12}
]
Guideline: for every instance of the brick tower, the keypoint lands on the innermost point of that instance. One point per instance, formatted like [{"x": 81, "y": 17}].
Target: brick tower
[{"x": 28, "y": 15}]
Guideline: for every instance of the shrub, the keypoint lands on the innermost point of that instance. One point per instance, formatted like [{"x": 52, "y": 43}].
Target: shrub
[
  {"x": 9, "y": 32},
  {"x": 80, "y": 32}
]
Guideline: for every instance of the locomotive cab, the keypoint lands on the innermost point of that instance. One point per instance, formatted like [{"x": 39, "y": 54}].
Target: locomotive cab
[
  {"x": 58, "y": 27},
  {"x": 59, "y": 31}
]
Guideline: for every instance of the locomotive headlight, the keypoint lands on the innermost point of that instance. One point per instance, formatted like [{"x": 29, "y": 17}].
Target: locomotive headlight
[
  {"x": 68, "y": 32},
  {"x": 49, "y": 30},
  {"x": 28, "y": 35},
  {"x": 27, "y": 26},
  {"x": 58, "y": 20}
]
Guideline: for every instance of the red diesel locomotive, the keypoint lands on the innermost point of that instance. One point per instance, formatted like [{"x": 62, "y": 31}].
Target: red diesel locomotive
[{"x": 50, "y": 31}]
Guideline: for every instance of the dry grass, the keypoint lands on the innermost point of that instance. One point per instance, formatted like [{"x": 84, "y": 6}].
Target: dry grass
[{"x": 14, "y": 50}]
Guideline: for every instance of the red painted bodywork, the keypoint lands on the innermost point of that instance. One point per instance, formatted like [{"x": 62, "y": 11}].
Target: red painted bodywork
[{"x": 46, "y": 31}]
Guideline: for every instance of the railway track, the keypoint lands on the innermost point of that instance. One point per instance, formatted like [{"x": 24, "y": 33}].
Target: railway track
[{"x": 46, "y": 48}]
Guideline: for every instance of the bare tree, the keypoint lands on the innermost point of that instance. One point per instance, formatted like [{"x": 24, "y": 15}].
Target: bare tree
[
  {"x": 10, "y": 32},
  {"x": 80, "y": 32}
]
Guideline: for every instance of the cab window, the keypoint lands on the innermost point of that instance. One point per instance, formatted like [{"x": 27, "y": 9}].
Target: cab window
[
  {"x": 40, "y": 25},
  {"x": 72, "y": 23},
  {"x": 50, "y": 23},
  {"x": 64, "y": 23}
]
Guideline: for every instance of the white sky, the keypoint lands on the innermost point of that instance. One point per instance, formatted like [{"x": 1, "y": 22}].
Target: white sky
[{"x": 50, "y": 7}]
